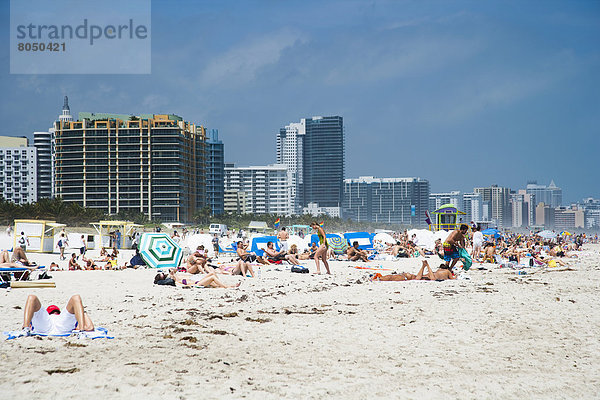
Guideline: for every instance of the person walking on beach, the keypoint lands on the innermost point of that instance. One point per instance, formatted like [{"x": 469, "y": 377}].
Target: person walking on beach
[
  {"x": 23, "y": 241},
  {"x": 82, "y": 245},
  {"x": 323, "y": 247},
  {"x": 455, "y": 240},
  {"x": 477, "y": 243},
  {"x": 62, "y": 243}
]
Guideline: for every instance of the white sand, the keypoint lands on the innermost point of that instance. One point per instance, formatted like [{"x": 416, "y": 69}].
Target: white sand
[{"x": 498, "y": 335}]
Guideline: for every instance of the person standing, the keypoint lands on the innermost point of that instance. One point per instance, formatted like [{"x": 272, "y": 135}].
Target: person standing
[
  {"x": 82, "y": 245},
  {"x": 455, "y": 239},
  {"x": 118, "y": 238},
  {"x": 215, "y": 243},
  {"x": 23, "y": 241},
  {"x": 321, "y": 252},
  {"x": 283, "y": 237},
  {"x": 62, "y": 243},
  {"x": 477, "y": 243}
]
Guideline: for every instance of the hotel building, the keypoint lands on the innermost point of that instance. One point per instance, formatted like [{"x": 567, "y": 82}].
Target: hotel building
[{"x": 18, "y": 170}]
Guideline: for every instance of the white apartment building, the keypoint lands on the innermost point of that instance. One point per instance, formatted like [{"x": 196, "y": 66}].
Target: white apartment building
[
  {"x": 436, "y": 200},
  {"x": 290, "y": 152},
  {"x": 268, "y": 188},
  {"x": 18, "y": 172}
]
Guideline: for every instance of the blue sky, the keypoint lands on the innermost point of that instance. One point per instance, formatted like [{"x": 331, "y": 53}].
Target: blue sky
[{"x": 463, "y": 93}]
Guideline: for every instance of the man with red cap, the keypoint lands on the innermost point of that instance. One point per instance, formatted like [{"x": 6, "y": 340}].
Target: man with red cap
[{"x": 52, "y": 321}]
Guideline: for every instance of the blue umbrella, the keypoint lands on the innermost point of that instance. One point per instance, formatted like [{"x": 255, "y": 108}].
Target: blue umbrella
[
  {"x": 491, "y": 232},
  {"x": 158, "y": 250}
]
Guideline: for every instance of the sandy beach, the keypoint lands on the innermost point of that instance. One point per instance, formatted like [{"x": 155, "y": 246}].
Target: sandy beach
[{"x": 498, "y": 335}]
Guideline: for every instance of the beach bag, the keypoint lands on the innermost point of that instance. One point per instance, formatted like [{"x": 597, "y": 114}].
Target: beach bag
[
  {"x": 299, "y": 269},
  {"x": 466, "y": 258}
]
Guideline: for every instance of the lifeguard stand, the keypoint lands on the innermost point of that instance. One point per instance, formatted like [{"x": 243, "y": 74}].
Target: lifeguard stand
[
  {"x": 39, "y": 232},
  {"x": 447, "y": 218},
  {"x": 104, "y": 229}
]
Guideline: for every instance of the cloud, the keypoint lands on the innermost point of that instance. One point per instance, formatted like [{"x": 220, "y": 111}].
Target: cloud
[{"x": 241, "y": 64}]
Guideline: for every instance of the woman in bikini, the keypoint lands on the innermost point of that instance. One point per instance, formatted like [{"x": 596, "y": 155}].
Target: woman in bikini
[
  {"x": 323, "y": 247},
  {"x": 441, "y": 274}
]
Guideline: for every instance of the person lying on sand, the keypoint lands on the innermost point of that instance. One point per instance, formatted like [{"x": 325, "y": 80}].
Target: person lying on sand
[
  {"x": 208, "y": 280},
  {"x": 51, "y": 321},
  {"x": 442, "y": 274}
]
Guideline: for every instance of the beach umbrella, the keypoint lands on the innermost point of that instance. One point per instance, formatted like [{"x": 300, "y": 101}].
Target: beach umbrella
[
  {"x": 338, "y": 244},
  {"x": 565, "y": 233},
  {"x": 495, "y": 233},
  {"x": 158, "y": 250}
]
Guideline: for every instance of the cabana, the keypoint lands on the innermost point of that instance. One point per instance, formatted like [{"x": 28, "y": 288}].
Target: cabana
[
  {"x": 259, "y": 243},
  {"x": 447, "y": 218},
  {"x": 39, "y": 232},
  {"x": 364, "y": 239},
  {"x": 258, "y": 226},
  {"x": 125, "y": 228}
]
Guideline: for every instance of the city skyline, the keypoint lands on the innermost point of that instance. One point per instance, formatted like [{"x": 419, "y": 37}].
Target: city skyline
[{"x": 517, "y": 91}]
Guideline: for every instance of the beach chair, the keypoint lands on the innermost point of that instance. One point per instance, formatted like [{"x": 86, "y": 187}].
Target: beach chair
[{"x": 10, "y": 274}]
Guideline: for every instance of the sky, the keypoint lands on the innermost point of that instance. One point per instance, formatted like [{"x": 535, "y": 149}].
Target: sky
[{"x": 462, "y": 93}]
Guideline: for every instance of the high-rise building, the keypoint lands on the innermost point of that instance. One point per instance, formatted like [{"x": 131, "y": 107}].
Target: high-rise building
[
  {"x": 473, "y": 207},
  {"x": 18, "y": 170},
  {"x": 591, "y": 209},
  {"x": 151, "y": 164},
  {"x": 290, "y": 152},
  {"x": 386, "y": 200},
  {"x": 215, "y": 172},
  {"x": 436, "y": 200},
  {"x": 544, "y": 215},
  {"x": 267, "y": 188},
  {"x": 550, "y": 195},
  {"x": 323, "y": 161},
  {"x": 43, "y": 143},
  {"x": 498, "y": 198},
  {"x": 519, "y": 210}
]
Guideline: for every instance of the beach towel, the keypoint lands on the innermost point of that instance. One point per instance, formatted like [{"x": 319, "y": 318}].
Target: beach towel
[
  {"x": 98, "y": 333},
  {"x": 466, "y": 258}
]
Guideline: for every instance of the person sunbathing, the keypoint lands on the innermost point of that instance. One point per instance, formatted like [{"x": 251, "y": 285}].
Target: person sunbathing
[
  {"x": 442, "y": 274},
  {"x": 355, "y": 254},
  {"x": 209, "y": 280},
  {"x": 274, "y": 255},
  {"x": 51, "y": 321},
  {"x": 19, "y": 257},
  {"x": 243, "y": 265},
  {"x": 489, "y": 253}
]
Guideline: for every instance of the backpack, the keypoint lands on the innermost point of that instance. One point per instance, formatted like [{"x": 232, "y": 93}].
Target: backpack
[
  {"x": 21, "y": 240},
  {"x": 300, "y": 269}
]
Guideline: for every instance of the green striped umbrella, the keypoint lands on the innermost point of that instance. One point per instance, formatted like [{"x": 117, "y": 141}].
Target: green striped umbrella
[{"x": 158, "y": 250}]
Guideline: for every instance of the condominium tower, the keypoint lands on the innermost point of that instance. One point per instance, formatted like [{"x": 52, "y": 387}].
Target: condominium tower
[
  {"x": 215, "y": 172},
  {"x": 314, "y": 152},
  {"x": 18, "y": 170},
  {"x": 498, "y": 198},
  {"x": 151, "y": 163}
]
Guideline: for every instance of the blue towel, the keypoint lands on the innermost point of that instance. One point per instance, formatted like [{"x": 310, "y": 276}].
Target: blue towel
[{"x": 98, "y": 333}]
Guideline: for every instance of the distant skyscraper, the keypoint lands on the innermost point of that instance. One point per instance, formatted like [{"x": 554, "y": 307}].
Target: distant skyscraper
[
  {"x": 323, "y": 161},
  {"x": 550, "y": 195},
  {"x": 386, "y": 200},
  {"x": 43, "y": 143},
  {"x": 473, "y": 207},
  {"x": 290, "y": 152},
  {"x": 498, "y": 198},
  {"x": 215, "y": 172}
]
